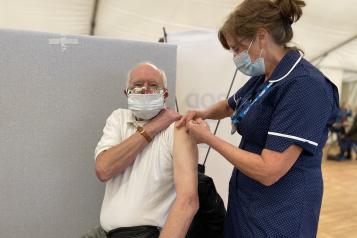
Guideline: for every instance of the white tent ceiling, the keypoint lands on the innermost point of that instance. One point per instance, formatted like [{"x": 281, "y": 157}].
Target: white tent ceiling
[
  {"x": 60, "y": 16},
  {"x": 324, "y": 26}
]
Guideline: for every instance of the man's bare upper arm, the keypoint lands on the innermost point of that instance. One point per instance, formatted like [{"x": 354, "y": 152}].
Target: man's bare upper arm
[{"x": 185, "y": 155}]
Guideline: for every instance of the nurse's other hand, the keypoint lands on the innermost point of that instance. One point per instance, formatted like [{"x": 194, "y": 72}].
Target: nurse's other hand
[
  {"x": 190, "y": 115},
  {"x": 199, "y": 130}
]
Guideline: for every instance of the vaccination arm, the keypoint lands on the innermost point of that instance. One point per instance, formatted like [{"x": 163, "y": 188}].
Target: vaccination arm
[{"x": 185, "y": 158}]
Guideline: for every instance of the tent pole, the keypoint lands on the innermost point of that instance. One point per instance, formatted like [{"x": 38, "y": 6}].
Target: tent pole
[
  {"x": 164, "y": 40},
  {"x": 324, "y": 54},
  {"x": 346, "y": 70},
  {"x": 219, "y": 121},
  {"x": 94, "y": 15}
]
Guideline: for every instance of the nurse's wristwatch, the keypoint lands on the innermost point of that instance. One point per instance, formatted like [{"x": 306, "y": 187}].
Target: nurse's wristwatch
[{"x": 142, "y": 132}]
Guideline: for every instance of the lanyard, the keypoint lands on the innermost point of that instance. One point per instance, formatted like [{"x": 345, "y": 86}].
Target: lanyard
[
  {"x": 243, "y": 109},
  {"x": 244, "y": 112}
]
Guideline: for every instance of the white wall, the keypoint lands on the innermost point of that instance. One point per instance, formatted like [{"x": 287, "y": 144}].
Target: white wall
[{"x": 204, "y": 73}]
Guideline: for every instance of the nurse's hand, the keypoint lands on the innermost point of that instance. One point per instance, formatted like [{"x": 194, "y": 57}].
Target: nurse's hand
[
  {"x": 190, "y": 115},
  {"x": 199, "y": 130}
]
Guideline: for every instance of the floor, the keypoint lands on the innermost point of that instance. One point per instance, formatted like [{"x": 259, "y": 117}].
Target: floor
[{"x": 338, "y": 217}]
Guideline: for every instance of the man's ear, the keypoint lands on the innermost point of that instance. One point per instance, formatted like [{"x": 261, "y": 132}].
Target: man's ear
[
  {"x": 166, "y": 93},
  {"x": 125, "y": 92}
]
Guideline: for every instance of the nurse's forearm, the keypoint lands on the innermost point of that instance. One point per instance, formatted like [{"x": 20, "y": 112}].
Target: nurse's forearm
[
  {"x": 265, "y": 171},
  {"x": 217, "y": 111}
]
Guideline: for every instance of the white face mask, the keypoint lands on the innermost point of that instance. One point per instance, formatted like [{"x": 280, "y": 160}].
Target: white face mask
[{"x": 146, "y": 106}]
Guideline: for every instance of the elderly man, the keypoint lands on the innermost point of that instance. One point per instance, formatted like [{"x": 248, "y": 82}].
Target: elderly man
[{"x": 149, "y": 166}]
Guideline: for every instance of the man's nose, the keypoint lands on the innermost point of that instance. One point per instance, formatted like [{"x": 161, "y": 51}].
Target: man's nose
[{"x": 146, "y": 85}]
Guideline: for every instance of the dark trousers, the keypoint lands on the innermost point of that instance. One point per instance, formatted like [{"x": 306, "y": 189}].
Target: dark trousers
[
  {"x": 346, "y": 148},
  {"x": 135, "y": 231}
]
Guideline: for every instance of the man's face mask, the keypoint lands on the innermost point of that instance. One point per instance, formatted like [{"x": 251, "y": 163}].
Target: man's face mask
[
  {"x": 145, "y": 103},
  {"x": 244, "y": 63}
]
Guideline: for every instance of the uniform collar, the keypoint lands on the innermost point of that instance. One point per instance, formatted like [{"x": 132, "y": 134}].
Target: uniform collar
[{"x": 285, "y": 64}]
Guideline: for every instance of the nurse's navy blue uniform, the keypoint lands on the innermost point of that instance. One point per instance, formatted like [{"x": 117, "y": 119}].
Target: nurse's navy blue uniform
[{"x": 296, "y": 110}]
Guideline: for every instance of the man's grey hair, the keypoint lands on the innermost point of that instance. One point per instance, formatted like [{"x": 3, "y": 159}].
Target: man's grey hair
[{"x": 161, "y": 72}]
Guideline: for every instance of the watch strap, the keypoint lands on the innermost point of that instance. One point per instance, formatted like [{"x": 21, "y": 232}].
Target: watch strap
[{"x": 142, "y": 132}]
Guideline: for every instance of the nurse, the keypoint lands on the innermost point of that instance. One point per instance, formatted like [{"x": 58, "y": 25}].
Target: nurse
[{"x": 282, "y": 113}]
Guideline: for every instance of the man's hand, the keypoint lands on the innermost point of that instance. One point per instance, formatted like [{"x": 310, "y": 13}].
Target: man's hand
[
  {"x": 162, "y": 121},
  {"x": 190, "y": 115}
]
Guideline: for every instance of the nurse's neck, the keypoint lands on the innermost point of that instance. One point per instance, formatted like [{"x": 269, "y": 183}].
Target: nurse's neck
[{"x": 273, "y": 56}]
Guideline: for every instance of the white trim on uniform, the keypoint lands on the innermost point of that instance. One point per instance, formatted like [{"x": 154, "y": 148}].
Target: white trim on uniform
[
  {"x": 235, "y": 100},
  {"x": 292, "y": 68},
  {"x": 293, "y": 137}
]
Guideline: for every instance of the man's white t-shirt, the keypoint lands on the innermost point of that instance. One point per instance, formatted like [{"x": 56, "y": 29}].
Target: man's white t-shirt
[{"x": 144, "y": 192}]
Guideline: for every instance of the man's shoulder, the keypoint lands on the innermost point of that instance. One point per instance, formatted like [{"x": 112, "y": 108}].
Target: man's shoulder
[
  {"x": 121, "y": 111},
  {"x": 181, "y": 136},
  {"x": 121, "y": 114}
]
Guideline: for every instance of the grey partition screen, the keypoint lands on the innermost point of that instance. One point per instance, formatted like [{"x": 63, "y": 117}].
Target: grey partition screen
[{"x": 55, "y": 94}]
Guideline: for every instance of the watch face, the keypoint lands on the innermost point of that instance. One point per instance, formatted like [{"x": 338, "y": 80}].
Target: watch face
[{"x": 140, "y": 129}]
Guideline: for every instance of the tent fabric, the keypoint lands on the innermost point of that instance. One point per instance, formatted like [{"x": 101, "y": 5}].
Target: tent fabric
[
  {"x": 349, "y": 93},
  {"x": 144, "y": 19},
  {"x": 322, "y": 28},
  {"x": 326, "y": 28},
  {"x": 65, "y": 16}
]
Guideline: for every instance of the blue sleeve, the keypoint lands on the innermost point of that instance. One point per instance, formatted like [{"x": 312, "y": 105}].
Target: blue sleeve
[{"x": 300, "y": 117}]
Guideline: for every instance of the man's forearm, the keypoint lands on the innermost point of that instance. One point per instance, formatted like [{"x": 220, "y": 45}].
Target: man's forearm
[
  {"x": 116, "y": 159},
  {"x": 180, "y": 218}
]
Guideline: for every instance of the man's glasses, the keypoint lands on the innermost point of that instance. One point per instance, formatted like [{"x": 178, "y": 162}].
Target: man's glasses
[{"x": 145, "y": 90}]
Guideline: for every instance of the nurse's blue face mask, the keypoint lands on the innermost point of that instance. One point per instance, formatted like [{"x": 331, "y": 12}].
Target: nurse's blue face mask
[{"x": 245, "y": 65}]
